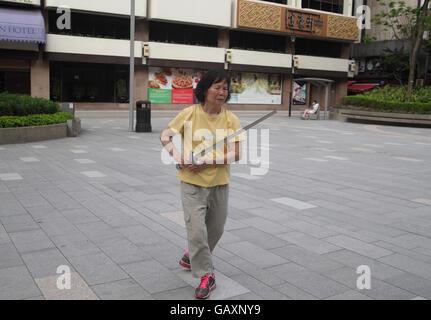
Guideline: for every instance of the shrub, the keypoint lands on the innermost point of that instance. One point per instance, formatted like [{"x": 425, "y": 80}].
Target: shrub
[
  {"x": 21, "y": 105},
  {"x": 35, "y": 120},
  {"x": 393, "y": 99}
]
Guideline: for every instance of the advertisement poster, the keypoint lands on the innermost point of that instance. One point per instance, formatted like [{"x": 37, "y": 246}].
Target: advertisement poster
[
  {"x": 255, "y": 88},
  {"x": 173, "y": 85},
  {"x": 299, "y": 93}
]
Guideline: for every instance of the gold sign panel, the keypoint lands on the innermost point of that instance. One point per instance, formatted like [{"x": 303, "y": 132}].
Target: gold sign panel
[
  {"x": 342, "y": 28},
  {"x": 263, "y": 16},
  {"x": 259, "y": 16}
]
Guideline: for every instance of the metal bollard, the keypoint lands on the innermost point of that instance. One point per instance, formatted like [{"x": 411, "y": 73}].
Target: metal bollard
[{"x": 143, "y": 116}]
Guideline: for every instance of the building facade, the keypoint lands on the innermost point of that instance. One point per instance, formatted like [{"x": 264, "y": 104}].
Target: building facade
[
  {"x": 83, "y": 57},
  {"x": 368, "y": 55}
]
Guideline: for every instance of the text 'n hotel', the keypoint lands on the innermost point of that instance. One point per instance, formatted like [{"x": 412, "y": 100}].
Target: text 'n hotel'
[{"x": 84, "y": 56}]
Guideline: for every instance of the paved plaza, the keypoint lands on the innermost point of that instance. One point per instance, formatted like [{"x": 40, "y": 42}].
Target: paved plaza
[{"x": 336, "y": 196}]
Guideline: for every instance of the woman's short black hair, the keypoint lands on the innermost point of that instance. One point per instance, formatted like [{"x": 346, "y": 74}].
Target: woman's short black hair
[{"x": 208, "y": 79}]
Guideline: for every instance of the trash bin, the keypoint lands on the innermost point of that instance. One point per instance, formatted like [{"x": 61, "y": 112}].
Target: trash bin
[
  {"x": 68, "y": 107},
  {"x": 143, "y": 116}
]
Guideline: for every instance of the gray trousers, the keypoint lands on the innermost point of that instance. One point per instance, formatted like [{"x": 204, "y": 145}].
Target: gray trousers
[{"x": 205, "y": 213}]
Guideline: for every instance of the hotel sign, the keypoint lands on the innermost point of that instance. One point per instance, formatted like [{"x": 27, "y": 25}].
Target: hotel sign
[
  {"x": 283, "y": 19},
  {"x": 29, "y": 2}
]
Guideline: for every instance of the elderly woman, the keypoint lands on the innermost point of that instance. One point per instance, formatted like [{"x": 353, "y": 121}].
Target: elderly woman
[
  {"x": 315, "y": 107},
  {"x": 205, "y": 185}
]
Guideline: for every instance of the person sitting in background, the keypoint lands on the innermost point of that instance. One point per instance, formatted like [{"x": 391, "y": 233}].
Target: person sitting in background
[{"x": 315, "y": 107}]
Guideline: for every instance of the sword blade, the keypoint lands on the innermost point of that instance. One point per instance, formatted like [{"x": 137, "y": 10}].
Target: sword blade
[{"x": 237, "y": 133}]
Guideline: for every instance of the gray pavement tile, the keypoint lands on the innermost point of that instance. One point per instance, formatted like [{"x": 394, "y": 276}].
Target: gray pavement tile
[
  {"x": 73, "y": 245},
  {"x": 225, "y": 287},
  {"x": 76, "y": 216},
  {"x": 258, "y": 287},
  {"x": 260, "y": 274},
  {"x": 78, "y": 290},
  {"x": 254, "y": 254},
  {"x": 409, "y": 253},
  {"x": 349, "y": 295},
  {"x": 98, "y": 231},
  {"x": 309, "y": 281},
  {"x": 122, "y": 251},
  {"x": 97, "y": 268},
  {"x": 4, "y": 237},
  {"x": 412, "y": 283},
  {"x": 259, "y": 238},
  {"x": 185, "y": 293},
  {"x": 29, "y": 241},
  {"x": 380, "y": 290},
  {"x": 265, "y": 225},
  {"x": 9, "y": 256},
  {"x": 44, "y": 263},
  {"x": 141, "y": 236},
  {"x": 153, "y": 276},
  {"x": 310, "y": 229},
  {"x": 308, "y": 259},
  {"x": 126, "y": 289},
  {"x": 247, "y": 296},
  {"x": 294, "y": 293},
  {"x": 352, "y": 259},
  {"x": 310, "y": 243},
  {"x": 16, "y": 283},
  {"x": 168, "y": 254},
  {"x": 19, "y": 223},
  {"x": 408, "y": 264},
  {"x": 358, "y": 246},
  {"x": 57, "y": 226}
]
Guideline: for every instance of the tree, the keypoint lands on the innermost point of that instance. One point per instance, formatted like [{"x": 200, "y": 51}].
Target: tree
[
  {"x": 406, "y": 23},
  {"x": 395, "y": 62}
]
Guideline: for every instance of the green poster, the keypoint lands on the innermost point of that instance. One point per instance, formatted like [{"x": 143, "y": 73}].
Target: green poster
[{"x": 159, "y": 95}]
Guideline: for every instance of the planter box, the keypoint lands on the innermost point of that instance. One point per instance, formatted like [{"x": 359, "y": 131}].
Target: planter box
[
  {"x": 33, "y": 134},
  {"x": 404, "y": 118}
]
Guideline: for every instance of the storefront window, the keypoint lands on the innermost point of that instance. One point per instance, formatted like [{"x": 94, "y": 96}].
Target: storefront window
[
  {"x": 17, "y": 82},
  {"x": 257, "y": 41},
  {"x": 335, "y": 6},
  {"x": 86, "y": 25},
  {"x": 183, "y": 34},
  {"x": 320, "y": 48},
  {"x": 277, "y": 1},
  {"x": 85, "y": 82}
]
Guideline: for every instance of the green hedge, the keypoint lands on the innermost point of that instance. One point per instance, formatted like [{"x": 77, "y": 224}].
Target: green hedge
[
  {"x": 21, "y": 105},
  {"x": 393, "y": 99},
  {"x": 35, "y": 120}
]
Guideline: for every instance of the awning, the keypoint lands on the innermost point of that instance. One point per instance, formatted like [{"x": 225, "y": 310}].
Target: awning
[
  {"x": 361, "y": 87},
  {"x": 22, "y": 25}
]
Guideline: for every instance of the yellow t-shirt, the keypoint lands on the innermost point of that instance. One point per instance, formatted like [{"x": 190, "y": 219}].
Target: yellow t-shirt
[{"x": 200, "y": 131}]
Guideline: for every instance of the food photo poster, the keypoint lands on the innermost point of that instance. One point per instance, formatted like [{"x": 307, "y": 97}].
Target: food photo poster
[{"x": 177, "y": 85}]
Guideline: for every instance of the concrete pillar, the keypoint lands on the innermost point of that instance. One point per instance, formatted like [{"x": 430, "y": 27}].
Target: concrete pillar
[
  {"x": 39, "y": 78},
  {"x": 142, "y": 31},
  {"x": 286, "y": 92},
  {"x": 340, "y": 91},
  {"x": 223, "y": 38},
  {"x": 141, "y": 83},
  {"x": 347, "y": 7}
]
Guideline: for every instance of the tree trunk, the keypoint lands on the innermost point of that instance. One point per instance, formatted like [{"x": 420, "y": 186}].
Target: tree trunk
[{"x": 416, "y": 45}]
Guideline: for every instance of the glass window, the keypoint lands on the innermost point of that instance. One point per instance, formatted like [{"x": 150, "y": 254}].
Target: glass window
[
  {"x": 86, "y": 25},
  {"x": 335, "y": 6},
  {"x": 86, "y": 82},
  {"x": 277, "y": 1},
  {"x": 257, "y": 41},
  {"x": 183, "y": 34},
  {"x": 320, "y": 48}
]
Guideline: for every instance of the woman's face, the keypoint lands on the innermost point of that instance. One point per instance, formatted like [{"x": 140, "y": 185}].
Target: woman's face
[{"x": 217, "y": 94}]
